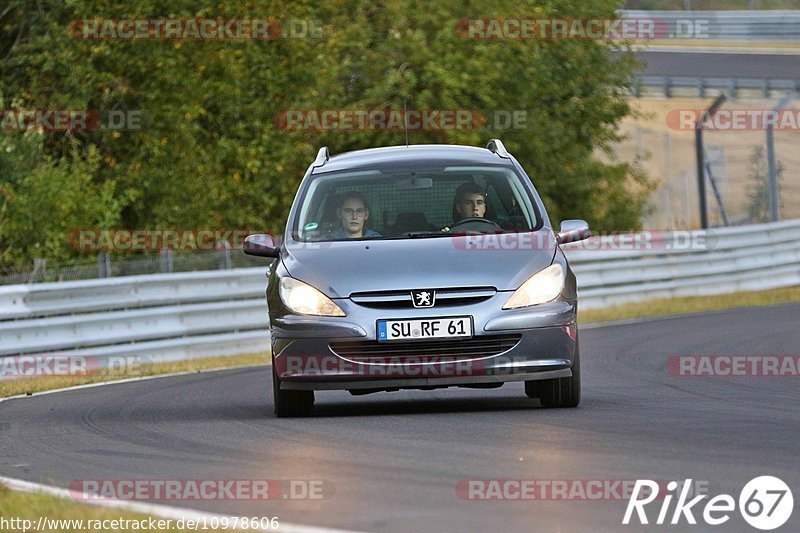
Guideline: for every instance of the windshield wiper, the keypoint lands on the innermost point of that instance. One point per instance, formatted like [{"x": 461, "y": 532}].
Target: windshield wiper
[{"x": 417, "y": 234}]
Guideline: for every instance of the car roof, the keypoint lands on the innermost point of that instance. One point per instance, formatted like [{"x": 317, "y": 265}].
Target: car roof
[{"x": 444, "y": 154}]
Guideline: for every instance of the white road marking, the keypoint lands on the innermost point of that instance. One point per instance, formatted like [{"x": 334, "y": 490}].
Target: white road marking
[
  {"x": 162, "y": 511},
  {"x": 129, "y": 380}
]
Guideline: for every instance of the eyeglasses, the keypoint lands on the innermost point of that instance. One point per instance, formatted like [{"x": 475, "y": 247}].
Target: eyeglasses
[{"x": 358, "y": 212}]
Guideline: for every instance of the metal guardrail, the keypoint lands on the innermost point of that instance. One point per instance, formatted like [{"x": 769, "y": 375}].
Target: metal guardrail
[
  {"x": 129, "y": 292},
  {"x": 129, "y": 264},
  {"x": 760, "y": 256},
  {"x": 700, "y": 87},
  {"x": 778, "y": 25},
  {"x": 162, "y": 316},
  {"x": 179, "y": 316}
]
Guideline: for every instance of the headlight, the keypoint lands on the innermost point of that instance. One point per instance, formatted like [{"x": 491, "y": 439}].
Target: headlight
[
  {"x": 304, "y": 299},
  {"x": 542, "y": 287}
]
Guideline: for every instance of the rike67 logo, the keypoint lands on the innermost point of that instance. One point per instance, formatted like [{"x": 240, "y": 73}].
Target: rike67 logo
[{"x": 765, "y": 503}]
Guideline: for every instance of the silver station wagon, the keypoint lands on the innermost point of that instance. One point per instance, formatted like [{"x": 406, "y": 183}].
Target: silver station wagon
[{"x": 420, "y": 267}]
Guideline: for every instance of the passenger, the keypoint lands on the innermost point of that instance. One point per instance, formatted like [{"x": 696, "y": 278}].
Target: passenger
[{"x": 353, "y": 214}]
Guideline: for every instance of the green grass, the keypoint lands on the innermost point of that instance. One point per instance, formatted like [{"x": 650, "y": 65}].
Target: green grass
[
  {"x": 690, "y": 304},
  {"x": 32, "y": 506},
  {"x": 13, "y": 387}
]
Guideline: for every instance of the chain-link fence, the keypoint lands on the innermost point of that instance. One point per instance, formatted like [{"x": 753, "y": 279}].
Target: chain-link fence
[{"x": 736, "y": 163}]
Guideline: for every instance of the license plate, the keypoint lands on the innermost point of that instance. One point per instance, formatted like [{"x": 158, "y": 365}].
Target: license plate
[{"x": 425, "y": 328}]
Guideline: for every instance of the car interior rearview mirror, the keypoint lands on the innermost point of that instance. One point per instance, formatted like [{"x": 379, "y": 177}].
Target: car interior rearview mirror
[{"x": 414, "y": 183}]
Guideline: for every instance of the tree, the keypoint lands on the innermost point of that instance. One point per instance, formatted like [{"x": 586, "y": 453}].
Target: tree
[
  {"x": 211, "y": 153},
  {"x": 759, "y": 207}
]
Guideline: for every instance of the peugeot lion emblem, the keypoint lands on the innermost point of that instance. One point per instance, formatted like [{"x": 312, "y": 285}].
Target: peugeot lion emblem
[{"x": 423, "y": 298}]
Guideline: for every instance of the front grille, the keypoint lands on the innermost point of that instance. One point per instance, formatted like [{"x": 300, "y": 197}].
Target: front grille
[
  {"x": 402, "y": 299},
  {"x": 451, "y": 349}
]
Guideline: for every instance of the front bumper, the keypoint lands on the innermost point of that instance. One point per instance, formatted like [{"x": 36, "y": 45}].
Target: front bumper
[{"x": 521, "y": 345}]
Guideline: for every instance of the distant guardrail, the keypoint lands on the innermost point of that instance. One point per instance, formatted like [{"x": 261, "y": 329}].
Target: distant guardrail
[
  {"x": 180, "y": 316},
  {"x": 129, "y": 264},
  {"x": 779, "y": 25},
  {"x": 710, "y": 26},
  {"x": 701, "y": 87}
]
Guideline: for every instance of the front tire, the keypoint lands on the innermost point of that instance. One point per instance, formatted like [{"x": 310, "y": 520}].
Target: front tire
[
  {"x": 290, "y": 403},
  {"x": 559, "y": 392}
]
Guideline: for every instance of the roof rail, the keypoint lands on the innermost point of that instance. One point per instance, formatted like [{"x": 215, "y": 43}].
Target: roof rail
[
  {"x": 322, "y": 157},
  {"x": 496, "y": 146}
]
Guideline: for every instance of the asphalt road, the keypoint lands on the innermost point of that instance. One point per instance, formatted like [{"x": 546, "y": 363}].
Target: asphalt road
[
  {"x": 391, "y": 462},
  {"x": 721, "y": 65}
]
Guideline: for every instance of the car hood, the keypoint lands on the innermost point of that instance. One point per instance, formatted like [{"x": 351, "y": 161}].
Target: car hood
[{"x": 341, "y": 268}]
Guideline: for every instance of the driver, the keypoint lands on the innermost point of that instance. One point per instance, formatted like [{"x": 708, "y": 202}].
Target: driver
[{"x": 470, "y": 201}]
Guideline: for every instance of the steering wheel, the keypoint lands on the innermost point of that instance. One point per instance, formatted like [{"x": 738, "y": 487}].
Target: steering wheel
[{"x": 474, "y": 223}]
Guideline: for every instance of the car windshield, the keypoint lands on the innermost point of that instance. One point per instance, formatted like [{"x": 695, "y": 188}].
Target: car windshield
[{"x": 419, "y": 203}]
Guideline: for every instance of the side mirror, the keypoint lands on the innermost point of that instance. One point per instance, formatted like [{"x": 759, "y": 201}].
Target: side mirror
[
  {"x": 573, "y": 230},
  {"x": 261, "y": 245}
]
